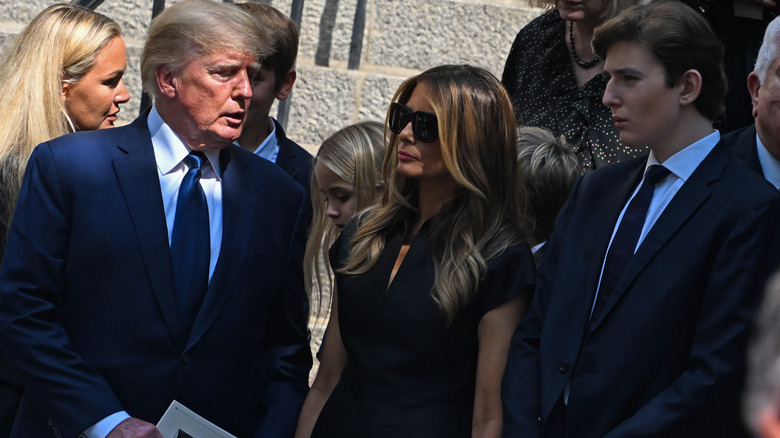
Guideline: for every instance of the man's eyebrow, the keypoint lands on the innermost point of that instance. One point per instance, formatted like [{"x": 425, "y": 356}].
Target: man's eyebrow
[{"x": 627, "y": 71}]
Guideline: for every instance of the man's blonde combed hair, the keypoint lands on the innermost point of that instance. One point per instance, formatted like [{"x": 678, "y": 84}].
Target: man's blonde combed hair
[{"x": 193, "y": 28}]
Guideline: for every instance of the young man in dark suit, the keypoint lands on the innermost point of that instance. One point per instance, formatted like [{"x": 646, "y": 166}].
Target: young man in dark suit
[
  {"x": 655, "y": 268},
  {"x": 150, "y": 262},
  {"x": 759, "y": 145},
  {"x": 263, "y": 135}
]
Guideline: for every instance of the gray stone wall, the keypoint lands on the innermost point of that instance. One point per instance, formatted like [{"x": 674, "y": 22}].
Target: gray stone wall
[{"x": 401, "y": 38}]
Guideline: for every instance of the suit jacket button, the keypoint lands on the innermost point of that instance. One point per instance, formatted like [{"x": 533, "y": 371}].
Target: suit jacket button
[
  {"x": 185, "y": 358},
  {"x": 539, "y": 421},
  {"x": 563, "y": 366}
]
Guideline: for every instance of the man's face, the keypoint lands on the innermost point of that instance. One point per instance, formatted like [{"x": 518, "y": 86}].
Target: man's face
[
  {"x": 213, "y": 94},
  {"x": 766, "y": 107},
  {"x": 263, "y": 94},
  {"x": 645, "y": 110}
]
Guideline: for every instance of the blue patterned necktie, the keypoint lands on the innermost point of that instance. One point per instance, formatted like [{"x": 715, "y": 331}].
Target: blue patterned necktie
[
  {"x": 191, "y": 243},
  {"x": 627, "y": 236}
]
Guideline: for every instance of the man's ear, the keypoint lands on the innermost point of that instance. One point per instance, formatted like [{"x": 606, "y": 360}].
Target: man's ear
[
  {"x": 754, "y": 84},
  {"x": 691, "y": 87},
  {"x": 166, "y": 81},
  {"x": 287, "y": 84}
]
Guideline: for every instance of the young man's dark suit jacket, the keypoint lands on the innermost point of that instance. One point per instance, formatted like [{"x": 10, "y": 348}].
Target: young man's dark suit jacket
[
  {"x": 665, "y": 358},
  {"x": 293, "y": 159},
  {"x": 742, "y": 144},
  {"x": 87, "y": 308},
  {"x": 296, "y": 161}
]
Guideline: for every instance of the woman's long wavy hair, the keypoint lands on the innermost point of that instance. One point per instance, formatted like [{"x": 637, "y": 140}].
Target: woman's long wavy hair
[
  {"x": 60, "y": 45},
  {"x": 477, "y": 136},
  {"x": 355, "y": 155}
]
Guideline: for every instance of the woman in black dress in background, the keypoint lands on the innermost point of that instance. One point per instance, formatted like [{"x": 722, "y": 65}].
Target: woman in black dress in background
[
  {"x": 555, "y": 81},
  {"x": 430, "y": 284}
]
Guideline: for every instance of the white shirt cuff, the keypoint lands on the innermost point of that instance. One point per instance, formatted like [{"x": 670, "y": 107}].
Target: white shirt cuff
[{"x": 102, "y": 428}]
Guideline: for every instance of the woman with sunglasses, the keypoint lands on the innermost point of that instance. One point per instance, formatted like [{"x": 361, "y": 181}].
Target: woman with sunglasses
[{"x": 432, "y": 282}]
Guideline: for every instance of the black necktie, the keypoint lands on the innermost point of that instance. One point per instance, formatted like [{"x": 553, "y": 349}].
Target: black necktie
[
  {"x": 626, "y": 237},
  {"x": 191, "y": 243}
]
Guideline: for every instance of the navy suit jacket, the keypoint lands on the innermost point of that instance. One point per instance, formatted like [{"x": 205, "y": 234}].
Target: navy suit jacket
[
  {"x": 742, "y": 144},
  {"x": 87, "y": 310},
  {"x": 666, "y": 356},
  {"x": 296, "y": 161},
  {"x": 293, "y": 159}
]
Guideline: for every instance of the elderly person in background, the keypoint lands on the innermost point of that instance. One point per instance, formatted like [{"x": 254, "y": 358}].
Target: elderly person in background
[
  {"x": 758, "y": 145},
  {"x": 554, "y": 79},
  {"x": 62, "y": 73},
  {"x": 148, "y": 263},
  {"x": 546, "y": 172}
]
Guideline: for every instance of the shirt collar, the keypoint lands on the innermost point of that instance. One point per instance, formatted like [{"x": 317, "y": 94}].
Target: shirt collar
[
  {"x": 169, "y": 148},
  {"x": 683, "y": 163},
  {"x": 769, "y": 164},
  {"x": 269, "y": 148}
]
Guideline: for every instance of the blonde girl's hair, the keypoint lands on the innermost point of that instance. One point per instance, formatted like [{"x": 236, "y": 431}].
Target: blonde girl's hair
[
  {"x": 477, "y": 136},
  {"x": 60, "y": 45},
  {"x": 355, "y": 155}
]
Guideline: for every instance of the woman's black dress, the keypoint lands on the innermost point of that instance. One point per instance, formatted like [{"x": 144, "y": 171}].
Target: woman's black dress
[{"x": 408, "y": 373}]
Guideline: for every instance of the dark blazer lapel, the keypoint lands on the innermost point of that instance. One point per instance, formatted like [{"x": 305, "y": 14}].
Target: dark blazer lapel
[
  {"x": 745, "y": 149},
  {"x": 285, "y": 153},
  {"x": 687, "y": 200},
  {"x": 238, "y": 206},
  {"x": 136, "y": 173},
  {"x": 605, "y": 217}
]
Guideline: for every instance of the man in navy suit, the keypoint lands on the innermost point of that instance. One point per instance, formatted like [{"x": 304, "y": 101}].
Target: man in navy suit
[
  {"x": 759, "y": 145},
  {"x": 640, "y": 317},
  {"x": 93, "y": 310}
]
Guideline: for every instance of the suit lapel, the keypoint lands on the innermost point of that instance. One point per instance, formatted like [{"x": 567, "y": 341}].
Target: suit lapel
[
  {"x": 614, "y": 202},
  {"x": 684, "y": 204},
  {"x": 136, "y": 173},
  {"x": 238, "y": 206},
  {"x": 285, "y": 153}
]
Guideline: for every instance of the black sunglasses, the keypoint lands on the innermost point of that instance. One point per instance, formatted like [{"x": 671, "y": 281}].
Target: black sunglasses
[{"x": 425, "y": 126}]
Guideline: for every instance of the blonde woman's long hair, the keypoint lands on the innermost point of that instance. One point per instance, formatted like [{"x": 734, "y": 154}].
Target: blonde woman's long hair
[
  {"x": 60, "y": 45},
  {"x": 477, "y": 136},
  {"x": 355, "y": 155}
]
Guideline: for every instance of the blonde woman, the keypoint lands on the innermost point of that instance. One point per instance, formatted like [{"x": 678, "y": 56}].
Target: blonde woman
[
  {"x": 346, "y": 178},
  {"x": 62, "y": 73},
  {"x": 431, "y": 283}
]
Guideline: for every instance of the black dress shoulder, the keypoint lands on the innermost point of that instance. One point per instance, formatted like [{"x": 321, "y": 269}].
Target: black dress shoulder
[{"x": 409, "y": 373}]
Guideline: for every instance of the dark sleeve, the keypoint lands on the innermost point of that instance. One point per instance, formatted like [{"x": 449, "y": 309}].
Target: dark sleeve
[
  {"x": 32, "y": 297},
  {"x": 339, "y": 251},
  {"x": 287, "y": 345},
  {"x": 514, "y": 59},
  {"x": 711, "y": 385},
  {"x": 508, "y": 275},
  {"x": 520, "y": 391}
]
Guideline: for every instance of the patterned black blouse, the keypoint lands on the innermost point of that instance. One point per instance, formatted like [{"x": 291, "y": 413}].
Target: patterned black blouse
[{"x": 539, "y": 77}]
